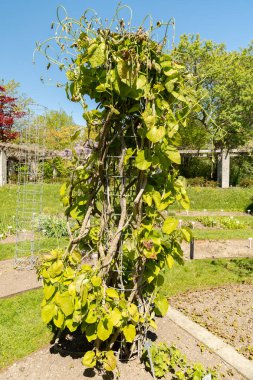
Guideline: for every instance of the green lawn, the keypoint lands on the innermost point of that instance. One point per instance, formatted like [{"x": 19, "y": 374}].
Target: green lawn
[
  {"x": 215, "y": 234},
  {"x": 21, "y": 329},
  {"x": 232, "y": 199},
  {"x": 8, "y": 201},
  {"x": 199, "y": 274},
  {"x": 7, "y": 251}
]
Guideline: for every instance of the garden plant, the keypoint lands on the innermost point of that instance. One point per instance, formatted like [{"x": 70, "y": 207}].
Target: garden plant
[{"x": 117, "y": 200}]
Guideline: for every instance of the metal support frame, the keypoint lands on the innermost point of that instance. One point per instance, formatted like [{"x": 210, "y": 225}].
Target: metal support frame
[{"x": 30, "y": 190}]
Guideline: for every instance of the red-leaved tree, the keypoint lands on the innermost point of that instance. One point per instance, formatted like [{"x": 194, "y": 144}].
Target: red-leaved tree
[{"x": 8, "y": 114}]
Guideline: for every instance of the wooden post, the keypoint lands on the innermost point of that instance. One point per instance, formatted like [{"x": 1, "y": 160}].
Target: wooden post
[{"x": 192, "y": 249}]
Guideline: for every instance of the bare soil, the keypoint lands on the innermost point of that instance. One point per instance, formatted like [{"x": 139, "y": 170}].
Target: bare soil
[
  {"x": 225, "y": 311},
  {"x": 210, "y": 249}
]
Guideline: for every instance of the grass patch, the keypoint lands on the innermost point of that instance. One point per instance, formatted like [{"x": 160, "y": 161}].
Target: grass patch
[
  {"x": 216, "y": 199},
  {"x": 21, "y": 329},
  {"x": 199, "y": 274},
  {"x": 8, "y": 200},
  {"x": 7, "y": 251},
  {"x": 215, "y": 229},
  {"x": 214, "y": 234}
]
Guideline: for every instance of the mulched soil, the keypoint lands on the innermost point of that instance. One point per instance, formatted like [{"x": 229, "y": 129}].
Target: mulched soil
[{"x": 225, "y": 311}]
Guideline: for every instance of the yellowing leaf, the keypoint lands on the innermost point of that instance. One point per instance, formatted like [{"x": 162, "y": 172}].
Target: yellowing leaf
[
  {"x": 96, "y": 54},
  {"x": 185, "y": 202},
  {"x": 104, "y": 329},
  {"x": 170, "y": 261},
  {"x": 169, "y": 225},
  {"x": 48, "y": 291},
  {"x": 115, "y": 317},
  {"x": 74, "y": 213},
  {"x": 169, "y": 85},
  {"x": 48, "y": 312},
  {"x": 92, "y": 315},
  {"x": 110, "y": 361},
  {"x": 102, "y": 87},
  {"x": 147, "y": 198},
  {"x": 179, "y": 96},
  {"x": 84, "y": 294},
  {"x": 129, "y": 154},
  {"x": 112, "y": 293},
  {"x": 174, "y": 155},
  {"x": 56, "y": 269},
  {"x": 157, "y": 198},
  {"x": 132, "y": 309},
  {"x": 126, "y": 73},
  {"x": 64, "y": 301},
  {"x": 171, "y": 72},
  {"x": 96, "y": 281},
  {"x": 143, "y": 160},
  {"x": 59, "y": 319},
  {"x": 141, "y": 81},
  {"x": 75, "y": 257},
  {"x": 89, "y": 359},
  {"x": 91, "y": 332},
  {"x": 186, "y": 232},
  {"x": 63, "y": 189},
  {"x": 70, "y": 324},
  {"x": 153, "y": 324},
  {"x": 156, "y": 134},
  {"x": 129, "y": 333},
  {"x": 149, "y": 119},
  {"x": 161, "y": 306}
]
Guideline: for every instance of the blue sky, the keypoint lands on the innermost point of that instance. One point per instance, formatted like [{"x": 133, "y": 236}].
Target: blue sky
[{"x": 23, "y": 22}]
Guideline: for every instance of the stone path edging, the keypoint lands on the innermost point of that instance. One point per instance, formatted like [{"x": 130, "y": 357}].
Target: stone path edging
[{"x": 222, "y": 349}]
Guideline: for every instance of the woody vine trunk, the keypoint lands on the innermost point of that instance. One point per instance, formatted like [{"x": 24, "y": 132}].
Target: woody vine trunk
[{"x": 117, "y": 201}]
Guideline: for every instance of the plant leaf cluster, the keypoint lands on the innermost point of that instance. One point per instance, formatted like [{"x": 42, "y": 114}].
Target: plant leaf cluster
[
  {"x": 169, "y": 359},
  {"x": 117, "y": 200}
]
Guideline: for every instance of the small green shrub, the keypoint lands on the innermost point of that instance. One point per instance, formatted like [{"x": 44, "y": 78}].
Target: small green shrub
[
  {"x": 246, "y": 182},
  {"x": 229, "y": 223},
  {"x": 162, "y": 359},
  {"x": 197, "y": 181},
  {"x": 201, "y": 181},
  {"x": 52, "y": 226}
]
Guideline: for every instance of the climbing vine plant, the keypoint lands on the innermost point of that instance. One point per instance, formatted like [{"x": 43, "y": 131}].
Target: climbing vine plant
[{"x": 117, "y": 201}]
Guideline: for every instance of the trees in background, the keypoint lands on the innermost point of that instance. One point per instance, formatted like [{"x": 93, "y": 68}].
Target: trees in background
[
  {"x": 223, "y": 82},
  {"x": 9, "y": 113},
  {"x": 59, "y": 128}
]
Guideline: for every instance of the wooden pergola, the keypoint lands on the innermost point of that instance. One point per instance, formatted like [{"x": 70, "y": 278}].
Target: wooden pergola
[{"x": 19, "y": 151}]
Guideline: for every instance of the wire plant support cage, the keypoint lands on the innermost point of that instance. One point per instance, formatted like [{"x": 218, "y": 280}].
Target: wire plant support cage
[{"x": 30, "y": 187}]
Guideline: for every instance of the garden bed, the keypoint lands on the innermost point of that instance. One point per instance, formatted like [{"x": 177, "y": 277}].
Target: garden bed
[{"x": 225, "y": 311}]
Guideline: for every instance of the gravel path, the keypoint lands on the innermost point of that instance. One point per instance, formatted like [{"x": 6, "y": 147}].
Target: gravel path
[
  {"x": 43, "y": 365},
  {"x": 13, "y": 281}
]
